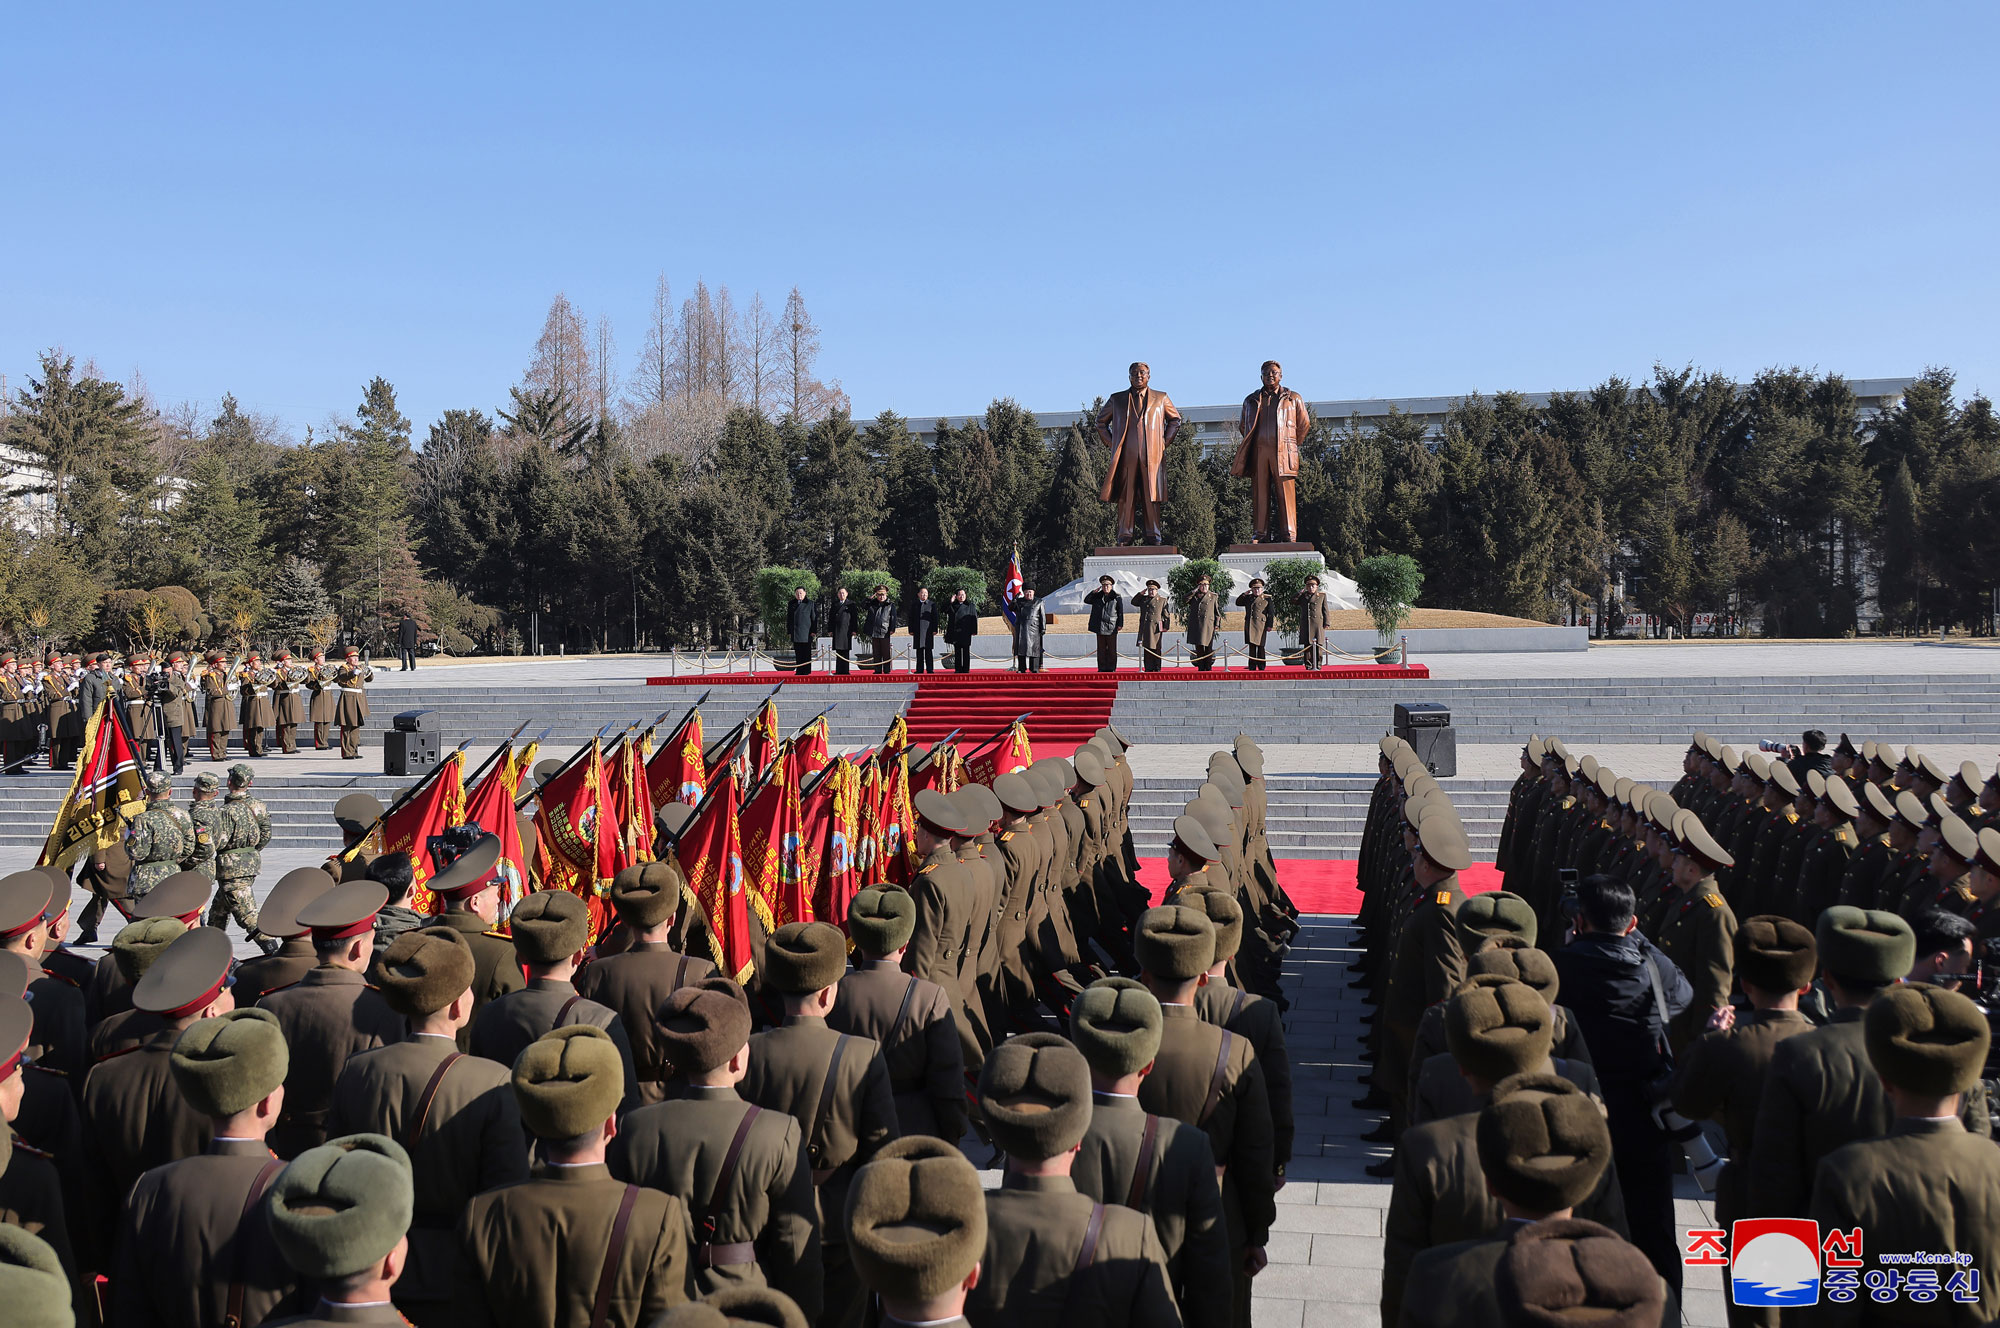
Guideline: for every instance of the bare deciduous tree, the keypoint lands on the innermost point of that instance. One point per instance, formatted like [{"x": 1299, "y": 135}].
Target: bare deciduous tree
[
  {"x": 562, "y": 357},
  {"x": 804, "y": 395},
  {"x": 760, "y": 348}
]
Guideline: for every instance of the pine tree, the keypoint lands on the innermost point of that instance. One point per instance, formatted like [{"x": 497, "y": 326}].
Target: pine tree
[
  {"x": 839, "y": 499},
  {"x": 214, "y": 534},
  {"x": 295, "y": 603},
  {"x": 1073, "y": 520},
  {"x": 1187, "y": 509}
]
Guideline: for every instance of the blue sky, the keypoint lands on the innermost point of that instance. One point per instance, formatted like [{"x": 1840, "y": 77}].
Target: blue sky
[{"x": 977, "y": 201}]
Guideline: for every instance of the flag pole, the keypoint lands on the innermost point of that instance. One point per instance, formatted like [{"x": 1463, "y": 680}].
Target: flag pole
[
  {"x": 494, "y": 755},
  {"x": 347, "y": 854}
]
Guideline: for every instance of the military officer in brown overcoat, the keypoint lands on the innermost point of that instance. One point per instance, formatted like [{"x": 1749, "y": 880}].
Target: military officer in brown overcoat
[
  {"x": 551, "y": 935},
  {"x": 1929, "y": 1186},
  {"x": 1542, "y": 1150},
  {"x": 742, "y": 1170},
  {"x": 194, "y": 1246},
  {"x": 945, "y": 901},
  {"x": 31, "y": 1185},
  {"x": 637, "y": 980},
  {"x": 1049, "y": 1247},
  {"x": 1021, "y": 864},
  {"x": 279, "y": 919},
  {"x": 469, "y": 889},
  {"x": 1721, "y": 1073},
  {"x": 1154, "y": 1164},
  {"x": 1137, "y": 424},
  {"x": 1275, "y": 420},
  {"x": 135, "y": 1116},
  {"x": 1210, "y": 1078},
  {"x": 1250, "y": 1017},
  {"x": 338, "y": 1215},
  {"x": 909, "y": 1019},
  {"x": 834, "y": 1084},
  {"x": 253, "y": 702},
  {"x": 331, "y": 1013},
  {"x": 1155, "y": 619},
  {"x": 218, "y": 708},
  {"x": 454, "y": 1114},
  {"x": 1428, "y": 961},
  {"x": 1312, "y": 625},
  {"x": 350, "y": 712},
  {"x": 916, "y": 1224},
  {"x": 325, "y": 694},
  {"x": 1201, "y": 617},
  {"x": 1698, "y": 930},
  {"x": 571, "y": 1247},
  {"x": 1256, "y": 606}
]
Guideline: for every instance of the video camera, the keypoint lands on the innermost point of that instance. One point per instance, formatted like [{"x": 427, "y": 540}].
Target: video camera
[
  {"x": 455, "y": 842},
  {"x": 159, "y": 687}
]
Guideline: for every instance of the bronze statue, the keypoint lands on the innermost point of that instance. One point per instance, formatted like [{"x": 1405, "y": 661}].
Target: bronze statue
[
  {"x": 1135, "y": 425},
  {"x": 1275, "y": 421}
]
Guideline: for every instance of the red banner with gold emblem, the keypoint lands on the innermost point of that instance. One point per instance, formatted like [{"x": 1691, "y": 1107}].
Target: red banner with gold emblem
[
  {"x": 490, "y": 806},
  {"x": 408, "y": 829},
  {"x": 676, "y": 773},
  {"x": 711, "y": 856}
]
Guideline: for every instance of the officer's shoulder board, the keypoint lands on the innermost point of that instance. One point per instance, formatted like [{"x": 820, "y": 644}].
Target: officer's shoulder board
[
  {"x": 1792, "y": 815},
  {"x": 1006, "y": 835},
  {"x": 498, "y": 935},
  {"x": 1712, "y": 900},
  {"x": 1443, "y": 897}
]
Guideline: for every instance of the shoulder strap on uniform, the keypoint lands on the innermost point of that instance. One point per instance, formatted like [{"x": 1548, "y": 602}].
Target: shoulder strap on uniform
[
  {"x": 704, "y": 1227},
  {"x": 601, "y": 1311},
  {"x": 415, "y": 1128},
  {"x": 902, "y": 1015},
  {"x": 1215, "y": 1080},
  {"x": 1142, "y": 1172},
  {"x": 681, "y": 974},
  {"x": 813, "y": 1150},
  {"x": 233, "y": 1316},
  {"x": 1086, "y": 1255},
  {"x": 562, "y": 1015},
  {"x": 1236, "y": 1006}
]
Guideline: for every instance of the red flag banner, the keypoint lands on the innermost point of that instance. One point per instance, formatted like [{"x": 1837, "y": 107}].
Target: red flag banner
[
  {"x": 837, "y": 832},
  {"x": 769, "y": 821},
  {"x": 940, "y": 772},
  {"x": 490, "y": 806},
  {"x": 810, "y": 753},
  {"x": 1010, "y": 752},
  {"x": 899, "y": 852},
  {"x": 676, "y": 772},
  {"x": 409, "y": 828},
  {"x": 1011, "y": 586},
  {"x": 107, "y": 791},
  {"x": 764, "y": 740},
  {"x": 638, "y": 803},
  {"x": 566, "y": 818},
  {"x": 897, "y": 739},
  {"x": 711, "y": 855}
]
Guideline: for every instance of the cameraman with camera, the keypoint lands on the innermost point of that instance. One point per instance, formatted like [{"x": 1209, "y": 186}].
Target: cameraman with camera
[{"x": 1622, "y": 992}]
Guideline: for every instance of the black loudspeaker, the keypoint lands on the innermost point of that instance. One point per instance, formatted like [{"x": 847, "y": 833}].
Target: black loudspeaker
[
  {"x": 1426, "y": 726},
  {"x": 407, "y": 753}
]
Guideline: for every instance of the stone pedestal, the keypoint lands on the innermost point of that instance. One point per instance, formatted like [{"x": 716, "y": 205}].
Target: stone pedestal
[
  {"x": 1129, "y": 568},
  {"x": 1247, "y": 560}
]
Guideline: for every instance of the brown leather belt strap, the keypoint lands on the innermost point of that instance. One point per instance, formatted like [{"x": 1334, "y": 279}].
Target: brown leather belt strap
[
  {"x": 414, "y": 1130},
  {"x": 705, "y": 1226},
  {"x": 1215, "y": 1080},
  {"x": 602, "y": 1309},
  {"x": 813, "y": 1150},
  {"x": 1085, "y": 1256},
  {"x": 1236, "y": 1007},
  {"x": 725, "y": 1256},
  {"x": 233, "y": 1317},
  {"x": 902, "y": 1015},
  {"x": 681, "y": 974},
  {"x": 1142, "y": 1172},
  {"x": 567, "y": 1006}
]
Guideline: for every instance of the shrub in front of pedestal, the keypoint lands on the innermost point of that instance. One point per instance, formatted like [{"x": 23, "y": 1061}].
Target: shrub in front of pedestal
[
  {"x": 1389, "y": 584},
  {"x": 1284, "y": 581},
  {"x": 1181, "y": 582},
  {"x": 861, "y": 583}
]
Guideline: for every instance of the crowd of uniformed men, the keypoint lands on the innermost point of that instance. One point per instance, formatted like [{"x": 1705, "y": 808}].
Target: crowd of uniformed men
[
  {"x": 45, "y": 707},
  {"x": 1545, "y": 1055},
  {"x": 463, "y": 1123}
]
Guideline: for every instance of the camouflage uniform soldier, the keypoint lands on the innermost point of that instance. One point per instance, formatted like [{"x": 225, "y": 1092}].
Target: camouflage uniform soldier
[
  {"x": 249, "y": 830},
  {"x": 211, "y": 826},
  {"x": 158, "y": 839}
]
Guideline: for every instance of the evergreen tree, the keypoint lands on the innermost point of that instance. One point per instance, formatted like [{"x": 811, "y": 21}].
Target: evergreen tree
[
  {"x": 295, "y": 603},
  {"x": 1073, "y": 521},
  {"x": 839, "y": 499},
  {"x": 1187, "y": 509},
  {"x": 215, "y": 533}
]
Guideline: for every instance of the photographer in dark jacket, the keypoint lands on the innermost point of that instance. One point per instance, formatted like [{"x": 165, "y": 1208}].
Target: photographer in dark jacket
[
  {"x": 1810, "y": 754},
  {"x": 923, "y": 628},
  {"x": 799, "y": 616},
  {"x": 961, "y": 624},
  {"x": 840, "y": 626},
  {"x": 1107, "y": 620},
  {"x": 1608, "y": 979}
]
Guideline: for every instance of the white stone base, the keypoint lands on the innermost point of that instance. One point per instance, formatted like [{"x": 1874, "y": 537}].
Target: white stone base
[
  {"x": 1341, "y": 592},
  {"x": 1128, "y": 572}
]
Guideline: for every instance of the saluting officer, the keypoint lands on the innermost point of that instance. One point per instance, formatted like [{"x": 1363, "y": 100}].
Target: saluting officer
[
  {"x": 455, "y": 1115},
  {"x": 741, "y": 1169},
  {"x": 1256, "y": 606}
]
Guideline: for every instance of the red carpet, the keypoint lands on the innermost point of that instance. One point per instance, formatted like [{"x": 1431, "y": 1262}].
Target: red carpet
[
  {"x": 1323, "y": 885},
  {"x": 1063, "y": 709},
  {"x": 1279, "y": 673}
]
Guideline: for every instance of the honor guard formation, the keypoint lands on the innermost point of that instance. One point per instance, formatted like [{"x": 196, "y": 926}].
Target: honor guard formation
[
  {"x": 1775, "y": 977},
  {"x": 556, "y": 1110}
]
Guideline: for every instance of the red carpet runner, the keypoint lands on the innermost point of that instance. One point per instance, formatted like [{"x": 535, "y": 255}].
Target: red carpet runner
[
  {"x": 1323, "y": 885},
  {"x": 1067, "y": 707}
]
